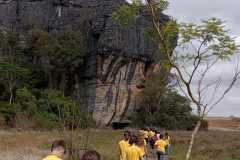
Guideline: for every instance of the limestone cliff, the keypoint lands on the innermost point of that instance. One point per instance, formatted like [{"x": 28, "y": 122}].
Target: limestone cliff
[{"x": 118, "y": 59}]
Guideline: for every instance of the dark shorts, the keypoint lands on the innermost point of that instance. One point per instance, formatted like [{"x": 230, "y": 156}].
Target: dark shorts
[{"x": 160, "y": 155}]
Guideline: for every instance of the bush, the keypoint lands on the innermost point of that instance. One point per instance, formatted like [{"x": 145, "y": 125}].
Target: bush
[
  {"x": 61, "y": 110},
  {"x": 204, "y": 125},
  {"x": 163, "y": 107},
  {"x": 51, "y": 110},
  {"x": 7, "y": 113}
]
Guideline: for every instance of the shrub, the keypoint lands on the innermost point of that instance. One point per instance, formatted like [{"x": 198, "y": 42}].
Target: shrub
[
  {"x": 61, "y": 110},
  {"x": 51, "y": 110},
  {"x": 204, "y": 125},
  {"x": 163, "y": 107}
]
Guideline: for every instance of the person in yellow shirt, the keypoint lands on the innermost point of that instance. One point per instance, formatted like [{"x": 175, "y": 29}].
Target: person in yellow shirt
[
  {"x": 58, "y": 150},
  {"x": 142, "y": 144},
  {"x": 124, "y": 144},
  {"x": 160, "y": 146},
  {"x": 144, "y": 131},
  {"x": 151, "y": 134},
  {"x": 167, "y": 139},
  {"x": 134, "y": 152}
]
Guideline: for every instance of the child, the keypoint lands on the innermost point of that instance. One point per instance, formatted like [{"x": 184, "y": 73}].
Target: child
[
  {"x": 144, "y": 131},
  {"x": 134, "y": 152},
  {"x": 58, "y": 150},
  {"x": 151, "y": 136},
  {"x": 167, "y": 139},
  {"x": 91, "y": 155},
  {"x": 160, "y": 146},
  {"x": 142, "y": 144},
  {"x": 124, "y": 144}
]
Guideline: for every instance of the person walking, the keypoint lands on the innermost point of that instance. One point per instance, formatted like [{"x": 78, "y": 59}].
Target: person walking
[
  {"x": 58, "y": 150},
  {"x": 124, "y": 144},
  {"x": 160, "y": 147},
  {"x": 134, "y": 152}
]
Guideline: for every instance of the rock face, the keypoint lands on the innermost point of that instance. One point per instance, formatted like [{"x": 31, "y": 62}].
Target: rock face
[{"x": 119, "y": 58}]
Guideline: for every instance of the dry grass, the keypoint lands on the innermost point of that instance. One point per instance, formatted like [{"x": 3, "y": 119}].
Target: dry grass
[
  {"x": 212, "y": 145},
  {"x": 224, "y": 123}
]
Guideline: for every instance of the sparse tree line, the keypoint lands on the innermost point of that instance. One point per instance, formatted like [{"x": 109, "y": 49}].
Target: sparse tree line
[{"x": 38, "y": 71}]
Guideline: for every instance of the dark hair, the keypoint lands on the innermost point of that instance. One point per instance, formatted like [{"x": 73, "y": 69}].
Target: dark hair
[
  {"x": 57, "y": 144},
  {"x": 91, "y": 155},
  {"x": 133, "y": 140},
  {"x": 166, "y": 134},
  {"x": 127, "y": 134},
  {"x": 144, "y": 129},
  {"x": 161, "y": 136}
]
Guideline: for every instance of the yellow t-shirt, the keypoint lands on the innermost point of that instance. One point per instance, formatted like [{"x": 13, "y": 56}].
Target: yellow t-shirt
[
  {"x": 143, "y": 147},
  {"x": 134, "y": 153},
  {"x": 160, "y": 144},
  {"x": 52, "y": 157},
  {"x": 145, "y": 133},
  {"x": 168, "y": 140},
  {"x": 123, "y": 145},
  {"x": 151, "y": 134}
]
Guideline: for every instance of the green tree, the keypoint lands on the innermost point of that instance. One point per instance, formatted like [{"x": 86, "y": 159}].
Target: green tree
[
  {"x": 202, "y": 46},
  {"x": 12, "y": 67},
  {"x": 63, "y": 53},
  {"x": 161, "y": 106}
]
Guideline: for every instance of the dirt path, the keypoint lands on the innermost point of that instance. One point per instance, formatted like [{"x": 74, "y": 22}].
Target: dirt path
[{"x": 223, "y": 129}]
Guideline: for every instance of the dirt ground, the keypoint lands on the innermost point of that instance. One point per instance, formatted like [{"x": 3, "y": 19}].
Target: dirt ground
[{"x": 224, "y": 123}]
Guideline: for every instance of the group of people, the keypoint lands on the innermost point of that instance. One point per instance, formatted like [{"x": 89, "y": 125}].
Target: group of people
[
  {"x": 134, "y": 145},
  {"x": 59, "y": 148}
]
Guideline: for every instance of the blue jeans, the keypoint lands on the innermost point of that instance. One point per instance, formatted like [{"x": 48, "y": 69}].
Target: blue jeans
[
  {"x": 160, "y": 155},
  {"x": 168, "y": 149},
  {"x": 145, "y": 157}
]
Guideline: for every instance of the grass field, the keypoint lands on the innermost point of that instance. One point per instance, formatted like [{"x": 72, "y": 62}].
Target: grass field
[{"x": 211, "y": 145}]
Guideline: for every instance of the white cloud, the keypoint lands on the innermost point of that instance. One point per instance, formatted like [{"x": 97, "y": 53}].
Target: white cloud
[
  {"x": 131, "y": 1},
  {"x": 235, "y": 100},
  {"x": 228, "y": 10},
  {"x": 238, "y": 40}
]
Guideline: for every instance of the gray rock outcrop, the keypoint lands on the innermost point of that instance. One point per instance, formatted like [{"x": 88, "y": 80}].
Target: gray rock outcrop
[{"x": 118, "y": 59}]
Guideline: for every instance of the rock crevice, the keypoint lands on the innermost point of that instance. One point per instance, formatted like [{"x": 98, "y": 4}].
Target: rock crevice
[{"x": 118, "y": 59}]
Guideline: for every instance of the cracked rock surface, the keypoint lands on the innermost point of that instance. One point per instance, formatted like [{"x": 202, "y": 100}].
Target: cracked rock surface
[{"x": 119, "y": 57}]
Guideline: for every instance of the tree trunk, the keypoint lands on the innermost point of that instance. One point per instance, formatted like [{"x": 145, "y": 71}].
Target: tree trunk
[
  {"x": 193, "y": 136},
  {"x": 11, "y": 95}
]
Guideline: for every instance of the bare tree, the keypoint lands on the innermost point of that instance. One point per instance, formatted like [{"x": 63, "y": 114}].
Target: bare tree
[{"x": 200, "y": 48}]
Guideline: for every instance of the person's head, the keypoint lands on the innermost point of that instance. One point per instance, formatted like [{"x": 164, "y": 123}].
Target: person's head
[
  {"x": 133, "y": 139},
  {"x": 58, "y": 148},
  {"x": 91, "y": 155},
  {"x": 166, "y": 134},
  {"x": 127, "y": 135},
  {"x": 141, "y": 139},
  {"x": 161, "y": 136}
]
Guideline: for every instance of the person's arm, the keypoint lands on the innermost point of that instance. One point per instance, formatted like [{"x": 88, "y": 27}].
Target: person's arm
[
  {"x": 156, "y": 144},
  {"x": 120, "y": 151},
  {"x": 140, "y": 155},
  {"x": 145, "y": 148}
]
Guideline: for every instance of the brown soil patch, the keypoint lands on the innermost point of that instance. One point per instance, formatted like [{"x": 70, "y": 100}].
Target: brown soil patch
[{"x": 232, "y": 123}]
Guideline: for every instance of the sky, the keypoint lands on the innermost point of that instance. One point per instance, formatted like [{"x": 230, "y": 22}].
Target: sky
[{"x": 228, "y": 10}]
